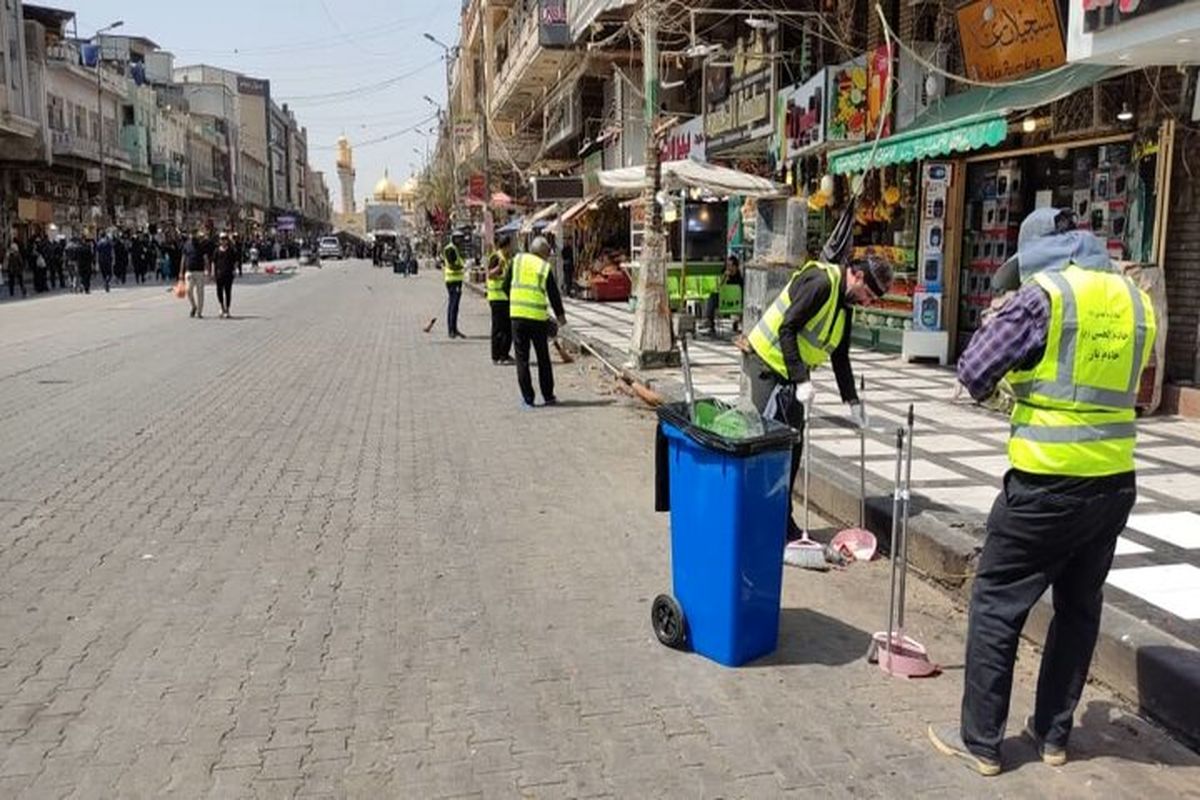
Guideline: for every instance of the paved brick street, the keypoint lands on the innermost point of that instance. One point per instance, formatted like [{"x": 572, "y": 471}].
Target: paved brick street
[{"x": 313, "y": 551}]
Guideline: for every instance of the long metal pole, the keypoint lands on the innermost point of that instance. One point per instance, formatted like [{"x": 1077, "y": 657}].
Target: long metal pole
[
  {"x": 103, "y": 165},
  {"x": 450, "y": 134}
]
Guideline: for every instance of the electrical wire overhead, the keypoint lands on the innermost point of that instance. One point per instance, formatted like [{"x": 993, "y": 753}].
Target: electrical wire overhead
[{"x": 359, "y": 91}]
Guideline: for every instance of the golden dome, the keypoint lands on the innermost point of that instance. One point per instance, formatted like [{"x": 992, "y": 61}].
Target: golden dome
[
  {"x": 344, "y": 157},
  {"x": 409, "y": 189},
  {"x": 386, "y": 190}
]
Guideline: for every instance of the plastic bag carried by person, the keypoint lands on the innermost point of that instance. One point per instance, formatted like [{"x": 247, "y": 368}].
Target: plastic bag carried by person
[{"x": 180, "y": 289}]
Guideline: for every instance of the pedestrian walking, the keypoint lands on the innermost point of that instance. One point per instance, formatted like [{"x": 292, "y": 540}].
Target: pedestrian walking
[
  {"x": 453, "y": 269},
  {"x": 1071, "y": 343},
  {"x": 104, "y": 259},
  {"x": 36, "y": 259},
  {"x": 14, "y": 269},
  {"x": 140, "y": 257},
  {"x": 195, "y": 265},
  {"x": 530, "y": 288},
  {"x": 121, "y": 257},
  {"x": 225, "y": 266},
  {"x": 81, "y": 255},
  {"x": 807, "y": 325},
  {"x": 55, "y": 258},
  {"x": 497, "y": 272}
]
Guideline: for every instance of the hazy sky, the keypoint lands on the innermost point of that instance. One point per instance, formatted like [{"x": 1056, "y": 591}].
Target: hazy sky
[{"x": 309, "y": 48}]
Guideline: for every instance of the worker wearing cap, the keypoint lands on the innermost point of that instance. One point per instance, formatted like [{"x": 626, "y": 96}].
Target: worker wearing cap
[
  {"x": 1071, "y": 343},
  {"x": 453, "y": 270},
  {"x": 497, "y": 271},
  {"x": 807, "y": 325},
  {"x": 532, "y": 291}
]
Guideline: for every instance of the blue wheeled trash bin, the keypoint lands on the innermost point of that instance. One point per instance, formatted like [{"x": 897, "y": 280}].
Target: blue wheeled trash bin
[{"x": 725, "y": 479}]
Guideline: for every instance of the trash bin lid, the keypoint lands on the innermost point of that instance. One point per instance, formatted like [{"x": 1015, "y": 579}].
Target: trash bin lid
[{"x": 728, "y": 430}]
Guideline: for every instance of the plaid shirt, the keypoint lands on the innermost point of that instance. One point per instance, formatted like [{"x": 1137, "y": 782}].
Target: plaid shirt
[{"x": 1013, "y": 339}]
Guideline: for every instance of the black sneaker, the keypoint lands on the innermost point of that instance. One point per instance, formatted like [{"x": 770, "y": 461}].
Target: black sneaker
[{"x": 550, "y": 401}]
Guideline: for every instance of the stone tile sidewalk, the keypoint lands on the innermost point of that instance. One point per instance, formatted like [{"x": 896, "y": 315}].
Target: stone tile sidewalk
[{"x": 959, "y": 461}]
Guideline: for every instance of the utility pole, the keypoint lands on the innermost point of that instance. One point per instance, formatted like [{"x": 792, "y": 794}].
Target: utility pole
[
  {"x": 652, "y": 344},
  {"x": 100, "y": 119},
  {"x": 485, "y": 76}
]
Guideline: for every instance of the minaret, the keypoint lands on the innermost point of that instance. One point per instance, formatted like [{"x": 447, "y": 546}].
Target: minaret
[{"x": 345, "y": 171}]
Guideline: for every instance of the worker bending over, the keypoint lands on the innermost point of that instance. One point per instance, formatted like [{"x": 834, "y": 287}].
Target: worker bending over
[{"x": 532, "y": 291}]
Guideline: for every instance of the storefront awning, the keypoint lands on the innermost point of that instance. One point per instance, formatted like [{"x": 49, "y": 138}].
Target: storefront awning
[
  {"x": 688, "y": 174},
  {"x": 969, "y": 120},
  {"x": 578, "y": 209},
  {"x": 536, "y": 222}
]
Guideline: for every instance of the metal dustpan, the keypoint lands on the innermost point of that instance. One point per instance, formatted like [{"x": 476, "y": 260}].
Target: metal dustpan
[{"x": 897, "y": 653}]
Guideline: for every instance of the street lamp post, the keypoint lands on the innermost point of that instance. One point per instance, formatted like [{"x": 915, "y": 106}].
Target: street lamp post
[{"x": 100, "y": 118}]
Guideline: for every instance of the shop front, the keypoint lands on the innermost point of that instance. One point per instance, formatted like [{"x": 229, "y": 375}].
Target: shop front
[{"x": 984, "y": 159}]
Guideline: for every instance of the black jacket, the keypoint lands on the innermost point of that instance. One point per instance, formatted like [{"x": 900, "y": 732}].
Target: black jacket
[{"x": 809, "y": 291}]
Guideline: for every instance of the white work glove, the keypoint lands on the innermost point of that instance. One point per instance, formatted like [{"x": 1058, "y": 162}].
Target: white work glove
[
  {"x": 858, "y": 415},
  {"x": 805, "y": 393}
]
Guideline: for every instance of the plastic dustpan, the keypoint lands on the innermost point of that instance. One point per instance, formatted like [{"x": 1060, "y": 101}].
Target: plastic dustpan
[
  {"x": 857, "y": 543},
  {"x": 903, "y": 656}
]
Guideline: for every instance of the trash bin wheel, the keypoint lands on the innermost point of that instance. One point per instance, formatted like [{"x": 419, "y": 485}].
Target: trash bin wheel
[{"x": 667, "y": 618}]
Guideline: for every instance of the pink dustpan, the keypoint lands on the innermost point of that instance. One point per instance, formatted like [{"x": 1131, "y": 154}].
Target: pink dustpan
[
  {"x": 904, "y": 657},
  {"x": 856, "y": 543}
]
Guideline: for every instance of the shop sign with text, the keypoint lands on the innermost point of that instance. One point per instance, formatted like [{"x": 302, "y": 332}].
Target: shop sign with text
[
  {"x": 739, "y": 102},
  {"x": 553, "y": 30},
  {"x": 1009, "y": 38}
]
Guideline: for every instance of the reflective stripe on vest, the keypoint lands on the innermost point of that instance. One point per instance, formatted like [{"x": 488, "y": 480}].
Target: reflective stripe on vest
[
  {"x": 1075, "y": 410},
  {"x": 452, "y": 270},
  {"x": 527, "y": 293},
  {"x": 819, "y": 337},
  {"x": 495, "y": 286}
]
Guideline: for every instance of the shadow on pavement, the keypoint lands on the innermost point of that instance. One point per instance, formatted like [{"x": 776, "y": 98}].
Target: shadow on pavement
[
  {"x": 810, "y": 637},
  {"x": 1105, "y": 730}
]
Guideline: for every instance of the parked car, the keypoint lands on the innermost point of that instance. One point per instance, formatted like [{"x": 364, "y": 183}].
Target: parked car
[{"x": 329, "y": 247}]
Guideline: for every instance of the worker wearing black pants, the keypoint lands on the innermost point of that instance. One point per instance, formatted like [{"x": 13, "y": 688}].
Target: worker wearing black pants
[
  {"x": 530, "y": 288},
  {"x": 497, "y": 269},
  {"x": 528, "y": 332},
  {"x": 807, "y": 324},
  {"x": 1043, "y": 531}
]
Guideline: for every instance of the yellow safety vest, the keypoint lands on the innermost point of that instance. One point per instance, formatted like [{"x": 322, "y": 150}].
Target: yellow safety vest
[
  {"x": 527, "y": 293},
  {"x": 1075, "y": 410},
  {"x": 495, "y": 286},
  {"x": 821, "y": 334},
  {"x": 452, "y": 271}
]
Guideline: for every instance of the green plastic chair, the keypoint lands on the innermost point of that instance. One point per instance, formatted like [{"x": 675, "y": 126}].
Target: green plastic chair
[
  {"x": 730, "y": 301},
  {"x": 673, "y": 297}
]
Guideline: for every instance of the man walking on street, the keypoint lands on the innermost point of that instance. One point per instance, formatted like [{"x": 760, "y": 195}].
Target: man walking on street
[
  {"x": 225, "y": 266},
  {"x": 497, "y": 271},
  {"x": 807, "y": 325},
  {"x": 530, "y": 287},
  {"x": 453, "y": 270},
  {"x": 194, "y": 266},
  {"x": 104, "y": 259},
  {"x": 14, "y": 269},
  {"x": 1071, "y": 344},
  {"x": 121, "y": 257}
]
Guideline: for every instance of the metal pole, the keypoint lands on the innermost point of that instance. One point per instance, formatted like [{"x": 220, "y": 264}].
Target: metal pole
[
  {"x": 103, "y": 166},
  {"x": 488, "y": 239},
  {"x": 450, "y": 135}
]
